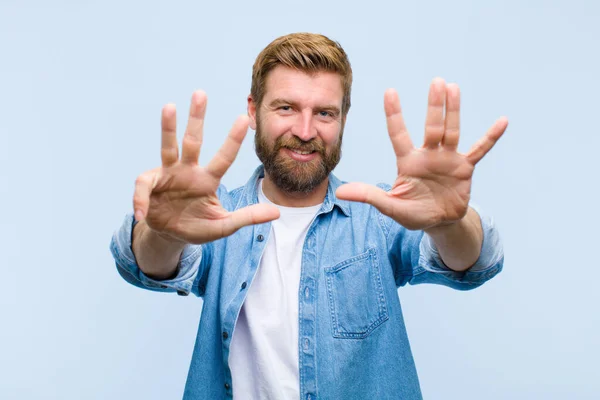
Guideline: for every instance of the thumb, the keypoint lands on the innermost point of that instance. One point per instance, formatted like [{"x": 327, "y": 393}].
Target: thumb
[
  {"x": 144, "y": 185},
  {"x": 365, "y": 193},
  {"x": 251, "y": 215}
]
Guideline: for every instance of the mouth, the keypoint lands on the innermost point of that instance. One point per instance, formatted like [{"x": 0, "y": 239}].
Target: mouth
[
  {"x": 301, "y": 155},
  {"x": 303, "y": 152}
]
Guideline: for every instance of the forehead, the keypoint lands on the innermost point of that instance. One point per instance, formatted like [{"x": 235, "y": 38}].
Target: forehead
[{"x": 291, "y": 84}]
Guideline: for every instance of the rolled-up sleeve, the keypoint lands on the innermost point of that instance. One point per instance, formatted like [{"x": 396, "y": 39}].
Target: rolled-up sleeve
[
  {"x": 489, "y": 263},
  {"x": 187, "y": 269},
  {"x": 418, "y": 261}
]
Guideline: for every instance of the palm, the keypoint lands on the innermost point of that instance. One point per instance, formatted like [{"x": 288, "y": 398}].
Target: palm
[
  {"x": 431, "y": 186},
  {"x": 179, "y": 199},
  {"x": 184, "y": 197},
  {"x": 434, "y": 182}
]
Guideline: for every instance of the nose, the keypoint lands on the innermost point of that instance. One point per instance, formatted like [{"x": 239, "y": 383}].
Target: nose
[{"x": 304, "y": 128}]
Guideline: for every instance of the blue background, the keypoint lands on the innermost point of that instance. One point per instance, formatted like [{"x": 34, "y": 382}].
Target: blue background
[{"x": 81, "y": 88}]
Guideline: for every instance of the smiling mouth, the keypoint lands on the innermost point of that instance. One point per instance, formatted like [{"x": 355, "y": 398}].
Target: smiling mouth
[
  {"x": 302, "y": 152},
  {"x": 301, "y": 155}
]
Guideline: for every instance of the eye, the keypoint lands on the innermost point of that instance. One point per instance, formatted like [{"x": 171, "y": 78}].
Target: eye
[
  {"x": 285, "y": 108},
  {"x": 325, "y": 114}
]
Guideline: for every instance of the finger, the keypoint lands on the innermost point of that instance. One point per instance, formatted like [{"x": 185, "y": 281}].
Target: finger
[
  {"x": 366, "y": 193},
  {"x": 141, "y": 196},
  {"x": 251, "y": 215},
  {"x": 227, "y": 153},
  {"x": 169, "y": 151},
  {"x": 395, "y": 124},
  {"x": 192, "y": 140},
  {"x": 434, "y": 122},
  {"x": 452, "y": 128},
  {"x": 485, "y": 144}
]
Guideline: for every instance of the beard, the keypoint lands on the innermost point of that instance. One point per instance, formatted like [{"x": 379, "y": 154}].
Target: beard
[{"x": 293, "y": 176}]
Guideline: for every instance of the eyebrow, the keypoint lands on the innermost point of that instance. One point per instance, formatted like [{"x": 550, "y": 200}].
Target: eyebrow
[{"x": 282, "y": 102}]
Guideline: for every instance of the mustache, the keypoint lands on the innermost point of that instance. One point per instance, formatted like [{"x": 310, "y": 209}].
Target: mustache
[{"x": 296, "y": 143}]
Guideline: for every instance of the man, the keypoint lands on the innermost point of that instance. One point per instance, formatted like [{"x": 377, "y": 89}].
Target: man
[{"x": 299, "y": 272}]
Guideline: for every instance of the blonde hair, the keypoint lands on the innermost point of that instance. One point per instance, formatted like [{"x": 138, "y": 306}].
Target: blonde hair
[{"x": 307, "y": 52}]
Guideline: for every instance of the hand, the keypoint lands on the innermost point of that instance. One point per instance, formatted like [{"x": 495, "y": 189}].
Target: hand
[
  {"x": 178, "y": 200},
  {"x": 434, "y": 182}
]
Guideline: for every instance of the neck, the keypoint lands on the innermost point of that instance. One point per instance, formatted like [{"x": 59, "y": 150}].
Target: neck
[{"x": 295, "y": 199}]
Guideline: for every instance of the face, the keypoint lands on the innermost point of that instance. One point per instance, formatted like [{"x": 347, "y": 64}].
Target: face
[{"x": 299, "y": 128}]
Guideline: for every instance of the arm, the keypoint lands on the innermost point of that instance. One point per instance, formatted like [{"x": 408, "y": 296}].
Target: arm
[
  {"x": 177, "y": 207},
  {"x": 415, "y": 258},
  {"x": 157, "y": 255},
  {"x": 191, "y": 267},
  {"x": 459, "y": 243},
  {"x": 433, "y": 186}
]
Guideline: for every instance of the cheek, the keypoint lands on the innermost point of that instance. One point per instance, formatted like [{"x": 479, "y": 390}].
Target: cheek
[
  {"x": 330, "y": 135},
  {"x": 275, "y": 127}
]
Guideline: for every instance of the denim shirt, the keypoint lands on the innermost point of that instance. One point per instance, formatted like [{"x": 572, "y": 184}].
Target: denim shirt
[{"x": 352, "y": 338}]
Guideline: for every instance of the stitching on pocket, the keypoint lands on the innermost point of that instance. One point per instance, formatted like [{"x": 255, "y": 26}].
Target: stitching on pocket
[{"x": 370, "y": 257}]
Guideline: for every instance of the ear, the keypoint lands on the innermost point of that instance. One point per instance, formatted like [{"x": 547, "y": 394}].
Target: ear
[{"x": 252, "y": 112}]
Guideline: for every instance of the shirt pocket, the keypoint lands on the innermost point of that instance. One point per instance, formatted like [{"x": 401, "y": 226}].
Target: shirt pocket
[{"x": 356, "y": 298}]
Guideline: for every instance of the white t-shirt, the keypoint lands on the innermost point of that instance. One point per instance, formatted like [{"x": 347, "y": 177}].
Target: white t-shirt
[{"x": 264, "y": 347}]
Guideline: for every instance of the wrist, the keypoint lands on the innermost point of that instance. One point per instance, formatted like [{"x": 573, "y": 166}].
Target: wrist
[
  {"x": 157, "y": 254},
  {"x": 459, "y": 243},
  {"x": 444, "y": 228},
  {"x": 144, "y": 233},
  {"x": 470, "y": 223}
]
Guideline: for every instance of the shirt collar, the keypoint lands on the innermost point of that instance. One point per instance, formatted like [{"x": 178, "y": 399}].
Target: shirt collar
[{"x": 250, "y": 193}]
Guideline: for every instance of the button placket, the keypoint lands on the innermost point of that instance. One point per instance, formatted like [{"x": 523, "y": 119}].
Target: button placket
[
  {"x": 229, "y": 319},
  {"x": 308, "y": 300}
]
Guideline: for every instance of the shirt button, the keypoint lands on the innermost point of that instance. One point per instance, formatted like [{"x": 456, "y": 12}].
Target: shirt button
[
  {"x": 243, "y": 285},
  {"x": 260, "y": 238},
  {"x": 225, "y": 335},
  {"x": 227, "y": 386},
  {"x": 309, "y": 397},
  {"x": 306, "y": 344},
  {"x": 306, "y": 293}
]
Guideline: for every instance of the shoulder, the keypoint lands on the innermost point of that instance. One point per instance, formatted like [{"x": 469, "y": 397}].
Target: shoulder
[{"x": 230, "y": 199}]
